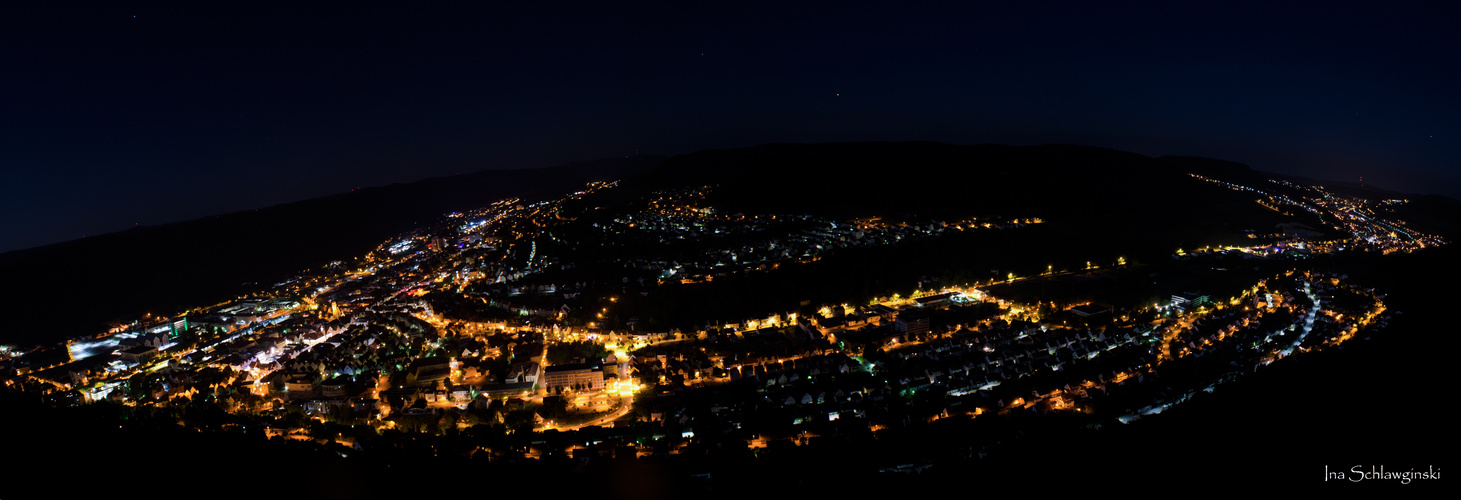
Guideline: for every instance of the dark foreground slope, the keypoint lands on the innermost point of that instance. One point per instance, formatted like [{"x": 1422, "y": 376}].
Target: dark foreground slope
[{"x": 75, "y": 288}]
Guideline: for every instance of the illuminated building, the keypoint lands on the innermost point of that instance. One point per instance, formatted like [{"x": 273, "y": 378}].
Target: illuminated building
[
  {"x": 138, "y": 354},
  {"x": 584, "y": 375}
]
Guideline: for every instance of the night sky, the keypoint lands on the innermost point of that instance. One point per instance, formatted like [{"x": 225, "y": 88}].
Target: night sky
[{"x": 121, "y": 113}]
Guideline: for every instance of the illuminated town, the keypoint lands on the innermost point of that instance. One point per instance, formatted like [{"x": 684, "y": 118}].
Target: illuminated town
[
  {"x": 494, "y": 324},
  {"x": 699, "y": 250}
]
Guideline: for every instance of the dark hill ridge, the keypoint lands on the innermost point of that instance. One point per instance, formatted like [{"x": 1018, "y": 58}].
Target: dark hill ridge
[
  {"x": 938, "y": 180},
  {"x": 1223, "y": 169},
  {"x": 1110, "y": 202},
  {"x": 76, "y": 287}
]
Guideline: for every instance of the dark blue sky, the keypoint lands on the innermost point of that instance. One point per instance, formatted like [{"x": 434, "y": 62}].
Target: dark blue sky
[{"x": 109, "y": 120}]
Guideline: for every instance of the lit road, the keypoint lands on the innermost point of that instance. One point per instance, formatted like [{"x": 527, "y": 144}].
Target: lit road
[{"x": 624, "y": 408}]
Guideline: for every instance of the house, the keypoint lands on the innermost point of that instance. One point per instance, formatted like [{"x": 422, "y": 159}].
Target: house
[
  {"x": 832, "y": 324},
  {"x": 884, "y": 312},
  {"x": 1089, "y": 310},
  {"x": 335, "y": 387},
  {"x": 299, "y": 385},
  {"x": 138, "y": 354},
  {"x": 427, "y": 372},
  {"x": 323, "y": 406}
]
